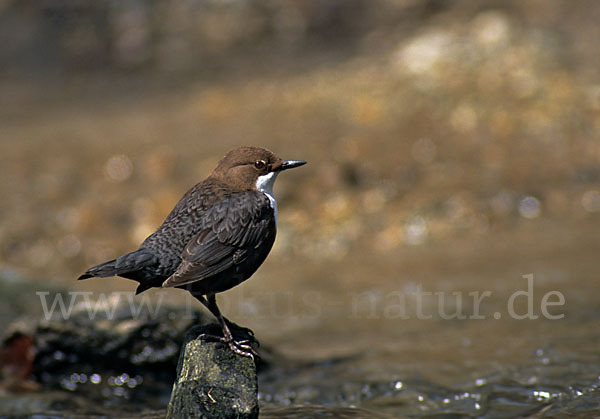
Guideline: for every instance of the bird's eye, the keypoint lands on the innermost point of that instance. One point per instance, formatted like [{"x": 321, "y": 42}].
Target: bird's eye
[{"x": 260, "y": 164}]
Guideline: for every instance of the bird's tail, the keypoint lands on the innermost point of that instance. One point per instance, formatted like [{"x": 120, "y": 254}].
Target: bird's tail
[
  {"x": 126, "y": 264},
  {"x": 103, "y": 270}
]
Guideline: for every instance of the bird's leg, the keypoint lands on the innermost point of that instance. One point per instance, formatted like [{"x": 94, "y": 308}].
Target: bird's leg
[
  {"x": 243, "y": 347},
  {"x": 214, "y": 312}
]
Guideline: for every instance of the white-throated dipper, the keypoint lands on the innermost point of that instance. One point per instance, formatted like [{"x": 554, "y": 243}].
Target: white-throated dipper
[{"x": 217, "y": 235}]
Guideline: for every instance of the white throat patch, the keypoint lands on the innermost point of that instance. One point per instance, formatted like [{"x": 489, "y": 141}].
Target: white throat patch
[{"x": 264, "y": 184}]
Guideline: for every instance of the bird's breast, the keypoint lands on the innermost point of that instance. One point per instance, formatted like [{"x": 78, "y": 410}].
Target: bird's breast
[{"x": 265, "y": 185}]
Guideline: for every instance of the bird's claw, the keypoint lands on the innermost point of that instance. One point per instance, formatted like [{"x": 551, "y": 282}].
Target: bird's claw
[{"x": 240, "y": 347}]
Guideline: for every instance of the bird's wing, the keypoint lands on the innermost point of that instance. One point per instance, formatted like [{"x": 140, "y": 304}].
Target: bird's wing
[{"x": 228, "y": 231}]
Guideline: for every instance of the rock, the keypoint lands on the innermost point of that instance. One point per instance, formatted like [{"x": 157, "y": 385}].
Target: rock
[
  {"x": 212, "y": 381},
  {"x": 16, "y": 363},
  {"x": 125, "y": 352}
]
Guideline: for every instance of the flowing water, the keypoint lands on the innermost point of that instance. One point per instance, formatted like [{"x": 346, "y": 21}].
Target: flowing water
[{"x": 506, "y": 355}]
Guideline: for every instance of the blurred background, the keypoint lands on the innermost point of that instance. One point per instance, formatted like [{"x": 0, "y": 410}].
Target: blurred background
[{"x": 453, "y": 146}]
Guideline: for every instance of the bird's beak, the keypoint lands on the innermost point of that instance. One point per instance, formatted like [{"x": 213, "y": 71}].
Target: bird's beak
[{"x": 290, "y": 164}]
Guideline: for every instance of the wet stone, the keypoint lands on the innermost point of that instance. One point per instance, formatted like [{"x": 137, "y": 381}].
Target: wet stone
[
  {"x": 115, "y": 358},
  {"x": 212, "y": 381}
]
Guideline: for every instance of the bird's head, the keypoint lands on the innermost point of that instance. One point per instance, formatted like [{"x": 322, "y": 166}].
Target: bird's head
[{"x": 252, "y": 168}]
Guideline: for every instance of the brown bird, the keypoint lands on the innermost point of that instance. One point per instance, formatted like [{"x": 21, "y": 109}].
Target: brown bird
[{"x": 216, "y": 237}]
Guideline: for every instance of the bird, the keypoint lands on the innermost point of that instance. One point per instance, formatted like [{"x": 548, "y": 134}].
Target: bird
[{"x": 217, "y": 235}]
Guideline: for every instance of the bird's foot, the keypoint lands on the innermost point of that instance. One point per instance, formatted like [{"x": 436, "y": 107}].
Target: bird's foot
[
  {"x": 243, "y": 347},
  {"x": 240, "y": 347}
]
